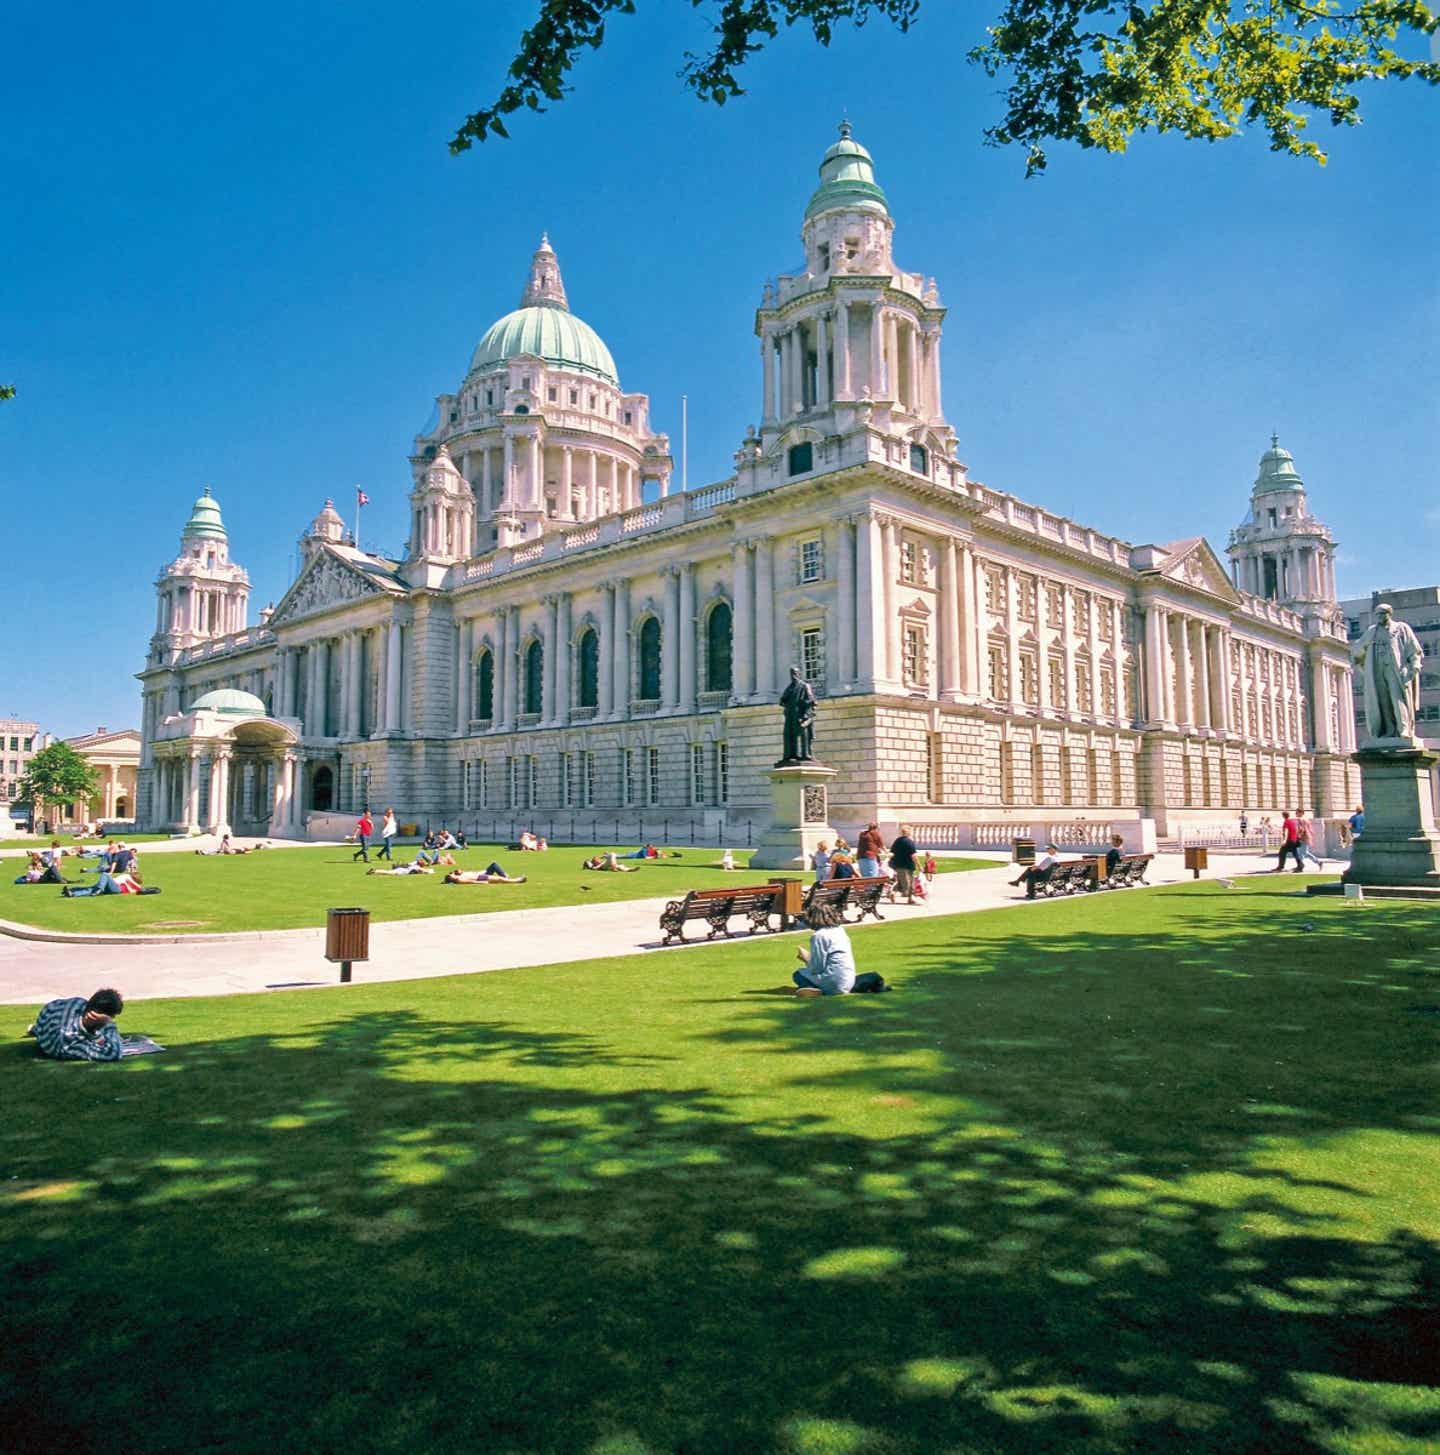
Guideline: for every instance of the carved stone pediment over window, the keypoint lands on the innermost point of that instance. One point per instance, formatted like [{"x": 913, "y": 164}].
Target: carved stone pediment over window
[
  {"x": 1194, "y": 564},
  {"x": 325, "y": 582}
]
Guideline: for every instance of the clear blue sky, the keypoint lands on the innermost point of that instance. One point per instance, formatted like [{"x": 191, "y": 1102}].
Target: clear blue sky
[{"x": 235, "y": 251}]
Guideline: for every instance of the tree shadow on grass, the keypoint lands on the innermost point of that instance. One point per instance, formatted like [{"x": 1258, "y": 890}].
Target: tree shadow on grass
[{"x": 1030, "y": 1215}]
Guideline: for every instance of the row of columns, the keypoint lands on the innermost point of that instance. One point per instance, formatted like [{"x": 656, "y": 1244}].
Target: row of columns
[
  {"x": 197, "y": 610},
  {"x": 303, "y": 675},
  {"x": 901, "y": 362},
  {"x": 178, "y": 791},
  {"x": 588, "y": 482},
  {"x": 444, "y": 526},
  {"x": 1303, "y": 572}
]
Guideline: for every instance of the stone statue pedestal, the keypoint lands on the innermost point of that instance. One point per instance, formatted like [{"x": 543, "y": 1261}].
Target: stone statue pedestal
[
  {"x": 1400, "y": 844},
  {"x": 799, "y": 817}
]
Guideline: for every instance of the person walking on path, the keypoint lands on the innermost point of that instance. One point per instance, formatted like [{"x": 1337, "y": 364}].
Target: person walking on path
[
  {"x": 868, "y": 850},
  {"x": 1310, "y": 829},
  {"x": 1289, "y": 843},
  {"x": 1357, "y": 822},
  {"x": 902, "y": 861},
  {"x": 388, "y": 829},
  {"x": 364, "y": 827}
]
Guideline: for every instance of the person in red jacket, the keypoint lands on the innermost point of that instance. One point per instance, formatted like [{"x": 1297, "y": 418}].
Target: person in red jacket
[
  {"x": 1289, "y": 843},
  {"x": 363, "y": 829}
]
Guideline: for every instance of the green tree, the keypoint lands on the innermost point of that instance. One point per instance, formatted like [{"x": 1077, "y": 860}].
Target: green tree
[
  {"x": 57, "y": 775},
  {"x": 1093, "y": 72},
  {"x": 7, "y": 391}
]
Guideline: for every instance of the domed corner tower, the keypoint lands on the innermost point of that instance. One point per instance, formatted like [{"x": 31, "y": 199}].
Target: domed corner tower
[
  {"x": 326, "y": 529},
  {"x": 850, "y": 347},
  {"x": 201, "y": 594},
  {"x": 540, "y": 429},
  {"x": 1280, "y": 551}
]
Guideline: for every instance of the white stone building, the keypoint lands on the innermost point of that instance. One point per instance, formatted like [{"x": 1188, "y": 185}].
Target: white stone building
[{"x": 566, "y": 635}]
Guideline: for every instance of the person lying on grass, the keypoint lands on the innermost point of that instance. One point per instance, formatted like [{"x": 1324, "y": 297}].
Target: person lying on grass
[
  {"x": 37, "y": 871},
  {"x": 492, "y": 874},
  {"x": 609, "y": 863},
  {"x": 829, "y": 963},
  {"x": 226, "y": 847},
  {"x": 400, "y": 870},
  {"x": 124, "y": 881},
  {"x": 75, "y": 1029}
]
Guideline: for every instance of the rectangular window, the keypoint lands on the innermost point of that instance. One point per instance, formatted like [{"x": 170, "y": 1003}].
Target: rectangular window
[
  {"x": 1082, "y": 687},
  {"x": 1029, "y": 679},
  {"x": 1058, "y": 699},
  {"x": 627, "y": 769},
  {"x": 697, "y": 773},
  {"x": 812, "y": 560},
  {"x": 652, "y": 776},
  {"x": 574, "y": 396},
  {"x": 1107, "y": 621},
  {"x": 1080, "y": 612},
  {"x": 1117, "y": 787},
  {"x": 1029, "y": 592},
  {"x": 628, "y": 419},
  {"x": 1092, "y": 776},
  {"x": 917, "y": 656},
  {"x": 935, "y": 767},
  {"x": 592, "y": 774},
  {"x": 464, "y": 784},
  {"x": 722, "y": 772},
  {"x": 567, "y": 780},
  {"x": 994, "y": 591},
  {"x": 1067, "y": 775},
  {"x": 1189, "y": 781},
  {"x": 812, "y": 655},
  {"x": 532, "y": 781},
  {"x": 909, "y": 562},
  {"x": 510, "y": 783},
  {"x": 996, "y": 684},
  {"x": 1037, "y": 773},
  {"x": 1054, "y": 607},
  {"x": 1107, "y": 690},
  {"x": 490, "y": 398},
  {"x": 1007, "y": 772}
]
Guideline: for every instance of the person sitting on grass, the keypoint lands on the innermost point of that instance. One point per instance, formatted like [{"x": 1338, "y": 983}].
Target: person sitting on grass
[
  {"x": 125, "y": 860},
  {"x": 1038, "y": 872},
  {"x": 226, "y": 847},
  {"x": 491, "y": 874},
  {"x": 75, "y": 1029},
  {"x": 445, "y": 839},
  {"x": 401, "y": 870},
  {"x": 51, "y": 857},
  {"x": 828, "y": 966},
  {"x": 609, "y": 863},
  {"x": 727, "y": 861},
  {"x": 429, "y": 850},
  {"x": 37, "y": 871}
]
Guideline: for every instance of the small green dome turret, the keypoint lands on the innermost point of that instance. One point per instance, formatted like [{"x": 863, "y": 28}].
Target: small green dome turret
[
  {"x": 230, "y": 702},
  {"x": 1277, "y": 470},
  {"x": 205, "y": 518},
  {"x": 847, "y": 179}
]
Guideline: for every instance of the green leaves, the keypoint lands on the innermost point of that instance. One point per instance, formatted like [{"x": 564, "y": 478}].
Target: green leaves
[
  {"x": 58, "y": 774},
  {"x": 1092, "y": 72}
]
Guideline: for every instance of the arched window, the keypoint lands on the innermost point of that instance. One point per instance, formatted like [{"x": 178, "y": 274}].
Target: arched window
[
  {"x": 485, "y": 687},
  {"x": 534, "y": 677},
  {"x": 590, "y": 668},
  {"x": 650, "y": 659},
  {"x": 717, "y": 648}
]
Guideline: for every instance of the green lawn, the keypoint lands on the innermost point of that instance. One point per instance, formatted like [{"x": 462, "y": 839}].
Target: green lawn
[
  {"x": 278, "y": 889},
  {"x": 43, "y": 841},
  {"x": 1148, "y": 1171}
]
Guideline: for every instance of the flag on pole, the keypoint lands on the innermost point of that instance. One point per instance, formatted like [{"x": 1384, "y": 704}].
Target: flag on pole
[{"x": 361, "y": 498}]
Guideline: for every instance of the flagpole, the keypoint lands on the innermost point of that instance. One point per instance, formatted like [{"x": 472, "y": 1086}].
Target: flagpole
[
  {"x": 359, "y": 497},
  {"x": 684, "y": 443}
]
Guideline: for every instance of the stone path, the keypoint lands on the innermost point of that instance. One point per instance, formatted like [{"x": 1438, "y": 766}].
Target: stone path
[{"x": 32, "y": 972}]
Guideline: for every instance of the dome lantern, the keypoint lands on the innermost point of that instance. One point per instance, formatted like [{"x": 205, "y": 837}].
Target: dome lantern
[{"x": 205, "y": 519}]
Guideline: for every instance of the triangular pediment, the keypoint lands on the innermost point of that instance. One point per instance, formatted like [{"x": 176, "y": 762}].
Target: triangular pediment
[
  {"x": 327, "y": 581},
  {"x": 1195, "y": 565}
]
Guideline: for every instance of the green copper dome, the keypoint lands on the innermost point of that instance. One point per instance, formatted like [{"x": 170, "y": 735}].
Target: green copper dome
[
  {"x": 1277, "y": 470},
  {"x": 205, "y": 518},
  {"x": 230, "y": 702},
  {"x": 550, "y": 333},
  {"x": 847, "y": 179}
]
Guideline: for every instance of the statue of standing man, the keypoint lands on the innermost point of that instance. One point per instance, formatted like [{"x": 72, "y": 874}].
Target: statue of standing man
[
  {"x": 1388, "y": 655},
  {"x": 798, "y": 700}
]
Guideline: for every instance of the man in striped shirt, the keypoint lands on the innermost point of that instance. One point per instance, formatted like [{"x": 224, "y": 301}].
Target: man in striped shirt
[{"x": 75, "y": 1029}]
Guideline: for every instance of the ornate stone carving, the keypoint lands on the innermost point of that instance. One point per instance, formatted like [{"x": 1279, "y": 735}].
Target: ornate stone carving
[
  {"x": 816, "y": 810},
  {"x": 324, "y": 583}
]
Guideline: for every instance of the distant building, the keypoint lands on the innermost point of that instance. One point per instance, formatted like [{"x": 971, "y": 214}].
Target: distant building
[
  {"x": 117, "y": 756},
  {"x": 20, "y": 740}
]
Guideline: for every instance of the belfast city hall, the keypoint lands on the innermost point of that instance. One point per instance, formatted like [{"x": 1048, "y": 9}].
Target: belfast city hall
[{"x": 566, "y": 634}]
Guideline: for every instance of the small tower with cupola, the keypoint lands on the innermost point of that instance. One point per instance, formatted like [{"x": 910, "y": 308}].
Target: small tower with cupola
[
  {"x": 201, "y": 594},
  {"x": 442, "y": 518},
  {"x": 1280, "y": 551},
  {"x": 850, "y": 347},
  {"x": 326, "y": 529}
]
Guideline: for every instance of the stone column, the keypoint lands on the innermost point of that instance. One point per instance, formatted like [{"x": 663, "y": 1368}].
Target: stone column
[
  {"x": 1200, "y": 664},
  {"x": 783, "y": 377},
  {"x": 606, "y": 651},
  {"x": 877, "y": 352},
  {"x": 890, "y": 564},
  {"x": 764, "y": 618},
  {"x": 322, "y": 689},
  {"x": 1320, "y": 705},
  {"x": 515, "y": 702},
  {"x": 688, "y": 628},
  {"x": 1067, "y": 644},
  {"x": 622, "y": 647},
  {"x": 219, "y": 790},
  {"x": 670, "y": 642},
  {"x": 277, "y": 794},
  {"x": 743, "y": 625},
  {"x": 949, "y": 624},
  {"x": 192, "y": 791},
  {"x": 394, "y": 661},
  {"x": 464, "y": 677},
  {"x": 842, "y": 353},
  {"x": 972, "y": 660},
  {"x": 560, "y": 713},
  {"x": 767, "y": 369},
  {"x": 845, "y": 591},
  {"x": 822, "y": 391},
  {"x": 870, "y": 606},
  {"x": 1155, "y": 629},
  {"x": 1220, "y": 677},
  {"x": 567, "y": 481},
  {"x": 1012, "y": 642}
]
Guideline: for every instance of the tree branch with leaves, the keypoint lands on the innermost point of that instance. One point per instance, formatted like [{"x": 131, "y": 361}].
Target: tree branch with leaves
[
  {"x": 1092, "y": 72},
  {"x": 58, "y": 775}
]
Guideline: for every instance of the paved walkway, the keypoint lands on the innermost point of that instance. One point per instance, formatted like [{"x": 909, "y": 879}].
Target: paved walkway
[{"x": 32, "y": 972}]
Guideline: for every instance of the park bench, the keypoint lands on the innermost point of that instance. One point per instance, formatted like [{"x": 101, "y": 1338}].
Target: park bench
[
  {"x": 861, "y": 895},
  {"x": 718, "y": 906},
  {"x": 1129, "y": 871},
  {"x": 1074, "y": 876}
]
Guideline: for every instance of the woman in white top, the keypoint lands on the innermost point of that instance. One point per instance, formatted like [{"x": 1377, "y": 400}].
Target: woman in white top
[{"x": 388, "y": 830}]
